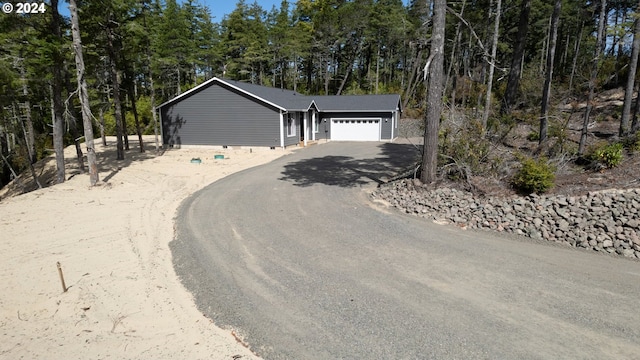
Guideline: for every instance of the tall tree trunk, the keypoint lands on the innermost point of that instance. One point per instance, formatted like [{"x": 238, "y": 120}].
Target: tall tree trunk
[
  {"x": 115, "y": 80},
  {"x": 631, "y": 77},
  {"x": 620, "y": 43},
  {"x": 635, "y": 124},
  {"x": 103, "y": 135},
  {"x": 349, "y": 69},
  {"x": 595, "y": 66},
  {"x": 434, "y": 96},
  {"x": 83, "y": 94},
  {"x": 545, "y": 48},
  {"x": 575, "y": 56},
  {"x": 345, "y": 79},
  {"x": 29, "y": 133},
  {"x": 56, "y": 96},
  {"x": 153, "y": 103},
  {"x": 6, "y": 161},
  {"x": 565, "y": 52},
  {"x": 151, "y": 83},
  {"x": 4, "y": 158},
  {"x": 454, "y": 47},
  {"x": 58, "y": 134},
  {"x": 295, "y": 72},
  {"x": 136, "y": 120},
  {"x": 70, "y": 119},
  {"x": 415, "y": 69},
  {"x": 494, "y": 47},
  {"x": 132, "y": 98},
  {"x": 377, "y": 68},
  {"x": 26, "y": 136},
  {"x": 125, "y": 130},
  {"x": 516, "y": 62},
  {"x": 178, "y": 89},
  {"x": 326, "y": 78},
  {"x": 553, "y": 35}
]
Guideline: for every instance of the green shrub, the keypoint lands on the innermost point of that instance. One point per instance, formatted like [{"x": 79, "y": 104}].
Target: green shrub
[
  {"x": 534, "y": 176},
  {"x": 533, "y": 136},
  {"x": 632, "y": 143},
  {"x": 465, "y": 146},
  {"x": 609, "y": 156}
]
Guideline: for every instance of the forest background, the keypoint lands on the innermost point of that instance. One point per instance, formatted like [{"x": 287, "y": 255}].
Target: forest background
[{"x": 502, "y": 63}]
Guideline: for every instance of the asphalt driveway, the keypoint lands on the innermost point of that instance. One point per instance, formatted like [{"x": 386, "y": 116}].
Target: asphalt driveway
[{"x": 294, "y": 257}]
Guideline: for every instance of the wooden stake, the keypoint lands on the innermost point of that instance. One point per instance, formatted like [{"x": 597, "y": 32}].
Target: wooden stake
[{"x": 64, "y": 287}]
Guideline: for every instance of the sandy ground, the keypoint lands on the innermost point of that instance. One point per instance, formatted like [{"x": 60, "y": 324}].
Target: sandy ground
[{"x": 124, "y": 300}]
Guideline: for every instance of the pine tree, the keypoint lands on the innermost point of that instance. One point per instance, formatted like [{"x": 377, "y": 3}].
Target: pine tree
[
  {"x": 83, "y": 94},
  {"x": 435, "y": 67}
]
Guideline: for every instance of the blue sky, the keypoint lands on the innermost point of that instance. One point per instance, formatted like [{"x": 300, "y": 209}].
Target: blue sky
[{"x": 218, "y": 8}]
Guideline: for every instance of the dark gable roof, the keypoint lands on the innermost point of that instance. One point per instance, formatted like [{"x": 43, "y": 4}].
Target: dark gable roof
[
  {"x": 288, "y": 100},
  {"x": 361, "y": 103}
]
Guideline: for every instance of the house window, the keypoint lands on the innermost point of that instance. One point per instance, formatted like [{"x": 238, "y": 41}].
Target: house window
[
  {"x": 291, "y": 125},
  {"x": 316, "y": 127}
]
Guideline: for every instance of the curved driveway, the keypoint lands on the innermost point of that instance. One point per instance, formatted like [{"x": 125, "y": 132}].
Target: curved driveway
[{"x": 295, "y": 258}]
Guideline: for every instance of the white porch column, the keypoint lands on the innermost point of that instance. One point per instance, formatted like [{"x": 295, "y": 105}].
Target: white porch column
[
  {"x": 281, "y": 130},
  {"x": 314, "y": 120},
  {"x": 305, "y": 116}
]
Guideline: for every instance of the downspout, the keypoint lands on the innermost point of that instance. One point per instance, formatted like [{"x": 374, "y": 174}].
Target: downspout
[{"x": 281, "y": 129}]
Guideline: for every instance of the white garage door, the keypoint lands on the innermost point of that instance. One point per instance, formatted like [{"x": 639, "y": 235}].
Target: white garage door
[{"x": 355, "y": 129}]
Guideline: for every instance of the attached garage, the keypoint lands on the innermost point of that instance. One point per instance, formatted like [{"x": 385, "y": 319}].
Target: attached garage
[
  {"x": 350, "y": 129},
  {"x": 223, "y": 112}
]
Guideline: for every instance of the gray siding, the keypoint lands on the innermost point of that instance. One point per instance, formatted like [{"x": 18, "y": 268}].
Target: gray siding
[
  {"x": 219, "y": 116},
  {"x": 324, "y": 127},
  {"x": 387, "y": 133},
  {"x": 292, "y": 140}
]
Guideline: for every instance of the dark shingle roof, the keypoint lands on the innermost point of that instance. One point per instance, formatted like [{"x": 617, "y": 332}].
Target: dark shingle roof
[
  {"x": 357, "y": 102},
  {"x": 293, "y": 101},
  {"x": 287, "y": 99}
]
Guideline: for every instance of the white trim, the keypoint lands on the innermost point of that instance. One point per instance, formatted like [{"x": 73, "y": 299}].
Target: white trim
[
  {"x": 359, "y": 118},
  {"x": 314, "y": 123},
  {"x": 281, "y": 129},
  {"x": 313, "y": 102},
  {"x": 305, "y": 129},
  {"x": 359, "y": 111},
  {"x": 294, "y": 128},
  {"x": 158, "y": 119},
  {"x": 393, "y": 124}
]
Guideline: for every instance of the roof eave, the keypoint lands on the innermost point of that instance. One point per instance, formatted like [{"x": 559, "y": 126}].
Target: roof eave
[{"x": 354, "y": 111}]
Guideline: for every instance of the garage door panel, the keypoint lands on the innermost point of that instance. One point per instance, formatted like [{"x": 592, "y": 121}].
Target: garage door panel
[{"x": 355, "y": 129}]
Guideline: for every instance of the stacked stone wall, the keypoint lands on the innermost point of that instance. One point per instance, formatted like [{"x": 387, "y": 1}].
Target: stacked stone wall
[{"x": 605, "y": 221}]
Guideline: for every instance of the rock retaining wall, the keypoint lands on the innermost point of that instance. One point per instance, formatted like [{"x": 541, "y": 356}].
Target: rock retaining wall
[{"x": 605, "y": 221}]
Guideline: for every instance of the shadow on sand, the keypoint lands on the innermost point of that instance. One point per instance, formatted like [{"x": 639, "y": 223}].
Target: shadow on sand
[{"x": 106, "y": 157}]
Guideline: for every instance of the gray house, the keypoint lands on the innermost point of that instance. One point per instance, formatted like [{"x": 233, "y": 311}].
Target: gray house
[{"x": 230, "y": 113}]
